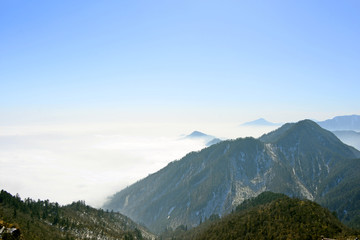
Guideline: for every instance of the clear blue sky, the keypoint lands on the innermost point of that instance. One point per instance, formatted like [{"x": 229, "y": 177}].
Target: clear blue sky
[{"x": 235, "y": 58}]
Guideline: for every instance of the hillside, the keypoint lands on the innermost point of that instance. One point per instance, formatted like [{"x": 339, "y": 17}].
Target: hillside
[
  {"x": 340, "y": 192},
  {"x": 310, "y": 152},
  {"x": 351, "y": 138},
  {"x": 294, "y": 160},
  {"x": 45, "y": 220},
  {"x": 273, "y": 216},
  {"x": 349, "y": 122}
]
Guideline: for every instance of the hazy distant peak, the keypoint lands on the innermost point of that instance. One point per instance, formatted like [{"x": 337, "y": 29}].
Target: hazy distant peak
[
  {"x": 260, "y": 122},
  {"x": 197, "y": 134},
  {"x": 348, "y": 122},
  {"x": 349, "y": 137}
]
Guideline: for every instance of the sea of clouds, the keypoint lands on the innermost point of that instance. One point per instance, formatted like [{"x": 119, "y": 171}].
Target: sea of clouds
[{"x": 66, "y": 163}]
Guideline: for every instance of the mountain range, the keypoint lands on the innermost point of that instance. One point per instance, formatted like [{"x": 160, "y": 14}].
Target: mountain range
[
  {"x": 349, "y": 122},
  {"x": 349, "y": 137},
  {"x": 298, "y": 159},
  {"x": 346, "y": 128}
]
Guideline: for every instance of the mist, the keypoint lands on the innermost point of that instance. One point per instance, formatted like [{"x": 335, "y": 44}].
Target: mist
[{"x": 66, "y": 163}]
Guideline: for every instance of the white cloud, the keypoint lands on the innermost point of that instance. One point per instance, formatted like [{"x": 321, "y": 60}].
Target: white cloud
[{"x": 66, "y": 163}]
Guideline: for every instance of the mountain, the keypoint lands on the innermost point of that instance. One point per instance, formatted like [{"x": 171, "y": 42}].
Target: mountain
[
  {"x": 340, "y": 192},
  {"x": 197, "y": 134},
  {"x": 212, "y": 142},
  {"x": 294, "y": 160},
  {"x": 31, "y": 219},
  {"x": 350, "y": 122},
  {"x": 351, "y": 138},
  {"x": 208, "y": 139},
  {"x": 260, "y": 122},
  {"x": 272, "y": 216}
]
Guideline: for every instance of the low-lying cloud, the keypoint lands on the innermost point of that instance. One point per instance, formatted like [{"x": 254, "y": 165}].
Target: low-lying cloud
[
  {"x": 91, "y": 163},
  {"x": 69, "y": 166}
]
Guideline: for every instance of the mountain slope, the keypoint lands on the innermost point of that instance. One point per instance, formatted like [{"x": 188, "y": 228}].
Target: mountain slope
[
  {"x": 45, "y": 220},
  {"x": 351, "y": 138},
  {"x": 293, "y": 160},
  {"x": 186, "y": 191},
  {"x": 340, "y": 192},
  {"x": 274, "y": 216},
  {"x": 310, "y": 152},
  {"x": 350, "y": 122}
]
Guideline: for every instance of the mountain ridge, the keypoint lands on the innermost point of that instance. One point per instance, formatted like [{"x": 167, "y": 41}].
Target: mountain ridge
[
  {"x": 216, "y": 179},
  {"x": 349, "y": 137},
  {"x": 346, "y": 122},
  {"x": 273, "y": 216},
  {"x": 47, "y": 220}
]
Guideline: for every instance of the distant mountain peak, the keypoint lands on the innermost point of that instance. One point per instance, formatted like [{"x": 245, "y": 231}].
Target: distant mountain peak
[
  {"x": 347, "y": 122},
  {"x": 260, "y": 122},
  {"x": 349, "y": 137},
  {"x": 197, "y": 134}
]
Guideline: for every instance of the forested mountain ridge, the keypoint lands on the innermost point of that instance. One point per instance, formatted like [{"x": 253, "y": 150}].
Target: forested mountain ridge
[
  {"x": 46, "y": 220},
  {"x": 340, "y": 192},
  {"x": 270, "y": 216},
  {"x": 295, "y": 160}
]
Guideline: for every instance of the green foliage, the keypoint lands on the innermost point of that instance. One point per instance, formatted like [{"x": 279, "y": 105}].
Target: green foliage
[
  {"x": 261, "y": 199},
  {"x": 272, "y": 216},
  {"x": 284, "y": 218},
  {"x": 340, "y": 192},
  {"x": 46, "y": 220}
]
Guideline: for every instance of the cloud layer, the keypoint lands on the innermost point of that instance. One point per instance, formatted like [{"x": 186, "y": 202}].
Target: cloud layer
[{"x": 65, "y": 165}]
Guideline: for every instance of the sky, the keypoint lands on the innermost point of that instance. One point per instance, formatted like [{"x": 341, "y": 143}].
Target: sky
[{"x": 95, "y": 95}]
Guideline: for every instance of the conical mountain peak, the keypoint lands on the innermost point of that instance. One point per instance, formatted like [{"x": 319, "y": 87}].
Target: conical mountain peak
[
  {"x": 196, "y": 134},
  {"x": 302, "y": 129},
  {"x": 307, "y": 136}
]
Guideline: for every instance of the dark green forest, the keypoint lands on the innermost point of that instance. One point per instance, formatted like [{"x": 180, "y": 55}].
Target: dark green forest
[
  {"x": 46, "y": 220},
  {"x": 270, "y": 216}
]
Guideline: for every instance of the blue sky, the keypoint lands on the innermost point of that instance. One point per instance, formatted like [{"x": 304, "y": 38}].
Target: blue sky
[
  {"x": 95, "y": 95},
  {"x": 243, "y": 59}
]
